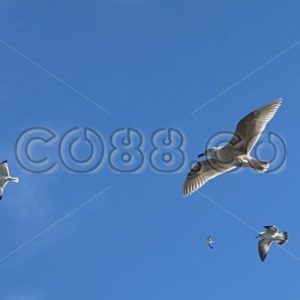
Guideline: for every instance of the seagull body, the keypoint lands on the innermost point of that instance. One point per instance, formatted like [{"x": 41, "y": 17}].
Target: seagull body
[
  {"x": 5, "y": 177},
  {"x": 234, "y": 154},
  {"x": 267, "y": 237},
  {"x": 210, "y": 242}
]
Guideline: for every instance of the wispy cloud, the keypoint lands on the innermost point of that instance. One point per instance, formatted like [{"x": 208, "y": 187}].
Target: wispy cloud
[{"x": 22, "y": 294}]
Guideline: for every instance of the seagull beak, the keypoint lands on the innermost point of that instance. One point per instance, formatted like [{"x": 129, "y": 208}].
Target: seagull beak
[{"x": 200, "y": 155}]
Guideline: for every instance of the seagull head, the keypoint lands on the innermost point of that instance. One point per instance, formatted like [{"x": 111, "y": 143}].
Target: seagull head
[
  {"x": 13, "y": 179},
  {"x": 259, "y": 235}
]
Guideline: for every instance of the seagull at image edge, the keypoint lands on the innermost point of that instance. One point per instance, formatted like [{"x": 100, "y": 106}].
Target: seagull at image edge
[{"x": 5, "y": 177}]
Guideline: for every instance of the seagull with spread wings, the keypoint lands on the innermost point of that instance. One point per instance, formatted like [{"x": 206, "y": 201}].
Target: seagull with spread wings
[
  {"x": 5, "y": 177},
  {"x": 234, "y": 154},
  {"x": 210, "y": 242},
  {"x": 267, "y": 237}
]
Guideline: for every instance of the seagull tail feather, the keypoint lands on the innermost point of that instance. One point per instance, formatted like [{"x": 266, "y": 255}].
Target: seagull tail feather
[{"x": 284, "y": 238}]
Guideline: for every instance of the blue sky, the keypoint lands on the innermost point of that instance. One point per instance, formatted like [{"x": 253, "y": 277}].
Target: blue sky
[{"x": 150, "y": 63}]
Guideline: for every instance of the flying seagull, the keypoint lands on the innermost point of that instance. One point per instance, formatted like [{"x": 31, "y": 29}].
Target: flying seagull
[
  {"x": 5, "y": 177},
  {"x": 236, "y": 153},
  {"x": 210, "y": 242},
  {"x": 267, "y": 237}
]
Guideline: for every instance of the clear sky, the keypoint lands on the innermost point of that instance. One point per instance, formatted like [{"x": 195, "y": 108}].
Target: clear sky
[{"x": 146, "y": 64}]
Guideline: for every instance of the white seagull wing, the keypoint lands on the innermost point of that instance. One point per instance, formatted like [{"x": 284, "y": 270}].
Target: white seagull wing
[
  {"x": 250, "y": 128},
  {"x": 202, "y": 172},
  {"x": 263, "y": 248},
  {"x": 4, "y": 171},
  {"x": 3, "y": 183}
]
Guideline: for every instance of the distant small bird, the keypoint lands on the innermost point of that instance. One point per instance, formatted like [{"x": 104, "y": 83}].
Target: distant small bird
[
  {"x": 236, "y": 153},
  {"x": 210, "y": 242},
  {"x": 5, "y": 177},
  {"x": 268, "y": 236}
]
